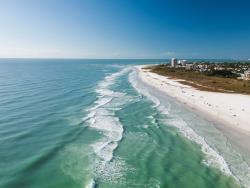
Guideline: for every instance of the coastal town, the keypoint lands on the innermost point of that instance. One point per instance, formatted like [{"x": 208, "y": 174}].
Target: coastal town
[{"x": 238, "y": 70}]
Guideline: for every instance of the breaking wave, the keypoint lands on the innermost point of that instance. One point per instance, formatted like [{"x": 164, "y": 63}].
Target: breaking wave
[{"x": 101, "y": 116}]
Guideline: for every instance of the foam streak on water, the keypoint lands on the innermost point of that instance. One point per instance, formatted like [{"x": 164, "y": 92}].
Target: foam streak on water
[{"x": 102, "y": 117}]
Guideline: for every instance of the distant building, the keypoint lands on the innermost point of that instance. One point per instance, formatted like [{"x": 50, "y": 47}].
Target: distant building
[
  {"x": 183, "y": 62},
  {"x": 189, "y": 66},
  {"x": 173, "y": 62},
  {"x": 247, "y": 75}
]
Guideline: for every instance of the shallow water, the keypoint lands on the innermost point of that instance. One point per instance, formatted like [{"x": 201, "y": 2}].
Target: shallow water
[{"x": 80, "y": 123}]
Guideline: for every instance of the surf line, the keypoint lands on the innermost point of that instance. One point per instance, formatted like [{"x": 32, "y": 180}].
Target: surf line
[
  {"x": 213, "y": 158},
  {"x": 102, "y": 117}
]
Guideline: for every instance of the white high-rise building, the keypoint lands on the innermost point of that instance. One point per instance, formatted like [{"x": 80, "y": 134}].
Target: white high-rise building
[
  {"x": 173, "y": 62},
  {"x": 182, "y": 62}
]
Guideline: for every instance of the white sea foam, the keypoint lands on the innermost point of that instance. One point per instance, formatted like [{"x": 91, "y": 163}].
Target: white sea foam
[
  {"x": 110, "y": 126},
  {"x": 90, "y": 115},
  {"x": 91, "y": 184},
  {"x": 145, "y": 126},
  {"x": 99, "y": 103},
  {"x": 153, "y": 183},
  {"x": 141, "y": 90},
  {"x": 213, "y": 157},
  {"x": 102, "y": 117},
  {"x": 112, "y": 171}
]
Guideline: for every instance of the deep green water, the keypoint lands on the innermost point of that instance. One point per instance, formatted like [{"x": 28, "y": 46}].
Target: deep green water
[{"x": 80, "y": 123}]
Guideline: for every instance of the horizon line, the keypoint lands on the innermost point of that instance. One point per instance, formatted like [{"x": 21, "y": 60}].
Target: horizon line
[{"x": 76, "y": 58}]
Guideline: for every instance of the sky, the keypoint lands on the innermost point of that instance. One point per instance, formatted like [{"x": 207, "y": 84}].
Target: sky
[{"x": 125, "y": 29}]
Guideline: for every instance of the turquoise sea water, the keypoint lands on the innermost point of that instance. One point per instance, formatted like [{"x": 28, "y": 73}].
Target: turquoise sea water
[{"x": 92, "y": 123}]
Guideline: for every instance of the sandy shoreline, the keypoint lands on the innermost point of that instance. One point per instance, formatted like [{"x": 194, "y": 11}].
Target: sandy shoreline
[{"x": 230, "y": 111}]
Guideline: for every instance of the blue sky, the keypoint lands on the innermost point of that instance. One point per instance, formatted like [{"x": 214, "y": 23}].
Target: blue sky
[{"x": 125, "y": 28}]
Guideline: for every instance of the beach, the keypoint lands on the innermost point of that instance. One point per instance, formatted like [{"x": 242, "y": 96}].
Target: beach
[{"x": 229, "y": 111}]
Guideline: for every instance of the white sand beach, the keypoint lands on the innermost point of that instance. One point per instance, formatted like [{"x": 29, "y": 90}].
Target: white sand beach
[
  {"x": 231, "y": 110},
  {"x": 229, "y": 113}
]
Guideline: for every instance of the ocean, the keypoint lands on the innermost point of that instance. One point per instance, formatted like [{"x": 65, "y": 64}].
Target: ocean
[{"x": 93, "y": 123}]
